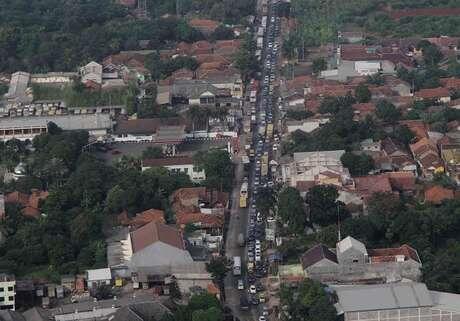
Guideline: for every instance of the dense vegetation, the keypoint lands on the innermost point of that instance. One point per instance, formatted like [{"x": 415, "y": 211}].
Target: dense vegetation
[
  {"x": 85, "y": 197},
  {"x": 54, "y": 35}
]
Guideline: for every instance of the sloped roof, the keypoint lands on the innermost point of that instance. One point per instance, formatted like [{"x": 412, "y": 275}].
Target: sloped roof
[
  {"x": 389, "y": 254},
  {"x": 316, "y": 254},
  {"x": 350, "y": 242},
  {"x": 402, "y": 181},
  {"x": 145, "y": 125},
  {"x": 436, "y": 194},
  {"x": 170, "y": 161},
  {"x": 373, "y": 184},
  {"x": 204, "y": 220},
  {"x": 156, "y": 232},
  {"x": 142, "y": 311},
  {"x": 142, "y": 218},
  {"x": 431, "y": 93}
]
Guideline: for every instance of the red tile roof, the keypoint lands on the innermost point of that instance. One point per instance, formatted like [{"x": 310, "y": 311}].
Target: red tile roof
[
  {"x": 364, "y": 109},
  {"x": 202, "y": 220},
  {"x": 140, "y": 219},
  {"x": 432, "y": 93},
  {"x": 402, "y": 181},
  {"x": 370, "y": 184},
  {"x": 433, "y": 12},
  {"x": 187, "y": 199},
  {"x": 390, "y": 254},
  {"x": 304, "y": 186},
  {"x": 204, "y": 25},
  {"x": 30, "y": 203},
  {"x": 418, "y": 127},
  {"x": 450, "y": 83},
  {"x": 436, "y": 194},
  {"x": 156, "y": 232}
]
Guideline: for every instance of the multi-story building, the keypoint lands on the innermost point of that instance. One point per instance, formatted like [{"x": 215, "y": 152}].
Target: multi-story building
[
  {"x": 7, "y": 292},
  {"x": 177, "y": 165}
]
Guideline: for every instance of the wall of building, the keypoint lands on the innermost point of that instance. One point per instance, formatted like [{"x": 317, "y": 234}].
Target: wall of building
[{"x": 7, "y": 295}]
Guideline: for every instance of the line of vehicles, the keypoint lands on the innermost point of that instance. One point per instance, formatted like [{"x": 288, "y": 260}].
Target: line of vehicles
[{"x": 261, "y": 146}]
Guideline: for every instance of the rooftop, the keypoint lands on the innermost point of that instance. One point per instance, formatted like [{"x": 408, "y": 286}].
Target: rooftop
[
  {"x": 316, "y": 254},
  {"x": 383, "y": 296},
  {"x": 66, "y": 122},
  {"x": 170, "y": 161},
  {"x": 436, "y": 194},
  {"x": 156, "y": 232}
]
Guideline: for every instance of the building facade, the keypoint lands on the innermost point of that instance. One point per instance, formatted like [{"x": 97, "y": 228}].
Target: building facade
[{"x": 7, "y": 292}]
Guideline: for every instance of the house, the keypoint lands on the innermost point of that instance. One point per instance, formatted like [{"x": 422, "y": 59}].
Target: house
[
  {"x": 142, "y": 218},
  {"x": 398, "y": 301},
  {"x": 437, "y": 194},
  {"x": 350, "y": 36},
  {"x": 399, "y": 157},
  {"x": 425, "y": 152},
  {"x": 68, "y": 282},
  {"x": 142, "y": 311},
  {"x": 352, "y": 262},
  {"x": 322, "y": 167},
  {"x": 177, "y": 165},
  {"x": 227, "y": 78},
  {"x": 53, "y": 78},
  {"x": 362, "y": 110},
  {"x": 403, "y": 182},
  {"x": 7, "y": 292},
  {"x": 30, "y": 202},
  {"x": 18, "y": 91},
  {"x": 450, "y": 154},
  {"x": 369, "y": 145},
  {"x": 306, "y": 126},
  {"x": 157, "y": 245},
  {"x": 205, "y": 26},
  {"x": 440, "y": 94},
  {"x": 368, "y": 185},
  {"x": 91, "y": 72},
  {"x": 199, "y": 200},
  {"x": 98, "y": 277}
]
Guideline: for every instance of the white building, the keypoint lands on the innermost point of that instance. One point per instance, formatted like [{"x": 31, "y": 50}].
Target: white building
[
  {"x": 53, "y": 78},
  {"x": 366, "y": 68},
  {"x": 98, "y": 277},
  {"x": 91, "y": 72},
  {"x": 19, "y": 91},
  {"x": 7, "y": 292},
  {"x": 177, "y": 165},
  {"x": 322, "y": 167},
  {"x": 306, "y": 126}
]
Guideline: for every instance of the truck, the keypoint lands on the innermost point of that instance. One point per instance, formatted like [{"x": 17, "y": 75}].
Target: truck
[
  {"x": 264, "y": 22},
  {"x": 269, "y": 130},
  {"x": 262, "y": 130},
  {"x": 241, "y": 239},
  {"x": 264, "y": 166},
  {"x": 236, "y": 265},
  {"x": 260, "y": 42},
  {"x": 244, "y": 195}
]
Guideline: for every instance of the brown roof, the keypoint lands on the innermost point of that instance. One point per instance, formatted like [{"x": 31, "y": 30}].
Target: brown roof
[
  {"x": 418, "y": 127},
  {"x": 316, "y": 254},
  {"x": 183, "y": 199},
  {"x": 389, "y": 254},
  {"x": 402, "y": 181},
  {"x": 432, "y": 93},
  {"x": 170, "y": 161},
  {"x": 204, "y": 220},
  {"x": 364, "y": 109},
  {"x": 436, "y": 194},
  {"x": 145, "y": 217},
  {"x": 204, "y": 24},
  {"x": 304, "y": 186},
  {"x": 373, "y": 184},
  {"x": 434, "y": 12},
  {"x": 451, "y": 83},
  {"x": 30, "y": 203},
  {"x": 145, "y": 125},
  {"x": 156, "y": 232}
]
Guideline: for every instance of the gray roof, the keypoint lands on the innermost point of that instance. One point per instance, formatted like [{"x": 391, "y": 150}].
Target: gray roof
[
  {"x": 316, "y": 254},
  {"x": 18, "y": 87},
  {"x": 192, "y": 88},
  {"x": 350, "y": 242},
  {"x": 320, "y": 156},
  {"x": 446, "y": 301},
  {"x": 66, "y": 122},
  {"x": 36, "y": 314},
  {"x": 8, "y": 315},
  {"x": 144, "y": 311},
  {"x": 383, "y": 296}
]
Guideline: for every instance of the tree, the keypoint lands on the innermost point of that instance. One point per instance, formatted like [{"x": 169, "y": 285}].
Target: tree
[
  {"x": 357, "y": 164},
  {"x": 376, "y": 79},
  {"x": 174, "y": 291},
  {"x": 245, "y": 59},
  {"x": 103, "y": 292},
  {"x": 404, "y": 134},
  {"x": 431, "y": 53},
  {"x": 323, "y": 205},
  {"x": 387, "y": 112},
  {"x": 291, "y": 209},
  {"x": 222, "y": 33},
  {"x": 319, "y": 64},
  {"x": 265, "y": 200},
  {"x": 218, "y": 168},
  {"x": 309, "y": 301},
  {"x": 152, "y": 152},
  {"x": 218, "y": 267},
  {"x": 362, "y": 93}
]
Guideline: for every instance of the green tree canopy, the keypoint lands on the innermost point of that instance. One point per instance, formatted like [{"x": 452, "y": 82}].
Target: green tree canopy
[
  {"x": 357, "y": 164},
  {"x": 362, "y": 93},
  {"x": 291, "y": 209}
]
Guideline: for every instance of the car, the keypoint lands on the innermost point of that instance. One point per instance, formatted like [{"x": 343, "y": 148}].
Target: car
[
  {"x": 252, "y": 289},
  {"x": 265, "y": 311},
  {"x": 275, "y": 147},
  {"x": 258, "y": 258},
  {"x": 262, "y": 318},
  {"x": 240, "y": 284}
]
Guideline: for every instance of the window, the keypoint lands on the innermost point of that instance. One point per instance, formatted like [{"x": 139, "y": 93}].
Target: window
[
  {"x": 186, "y": 170},
  {"x": 11, "y": 298},
  {"x": 228, "y": 104},
  {"x": 2, "y": 289},
  {"x": 2, "y": 299},
  {"x": 355, "y": 260},
  {"x": 10, "y": 288}
]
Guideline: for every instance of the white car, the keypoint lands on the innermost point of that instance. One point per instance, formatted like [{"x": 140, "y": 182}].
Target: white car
[
  {"x": 240, "y": 284},
  {"x": 258, "y": 258},
  {"x": 275, "y": 147},
  {"x": 262, "y": 318},
  {"x": 252, "y": 289}
]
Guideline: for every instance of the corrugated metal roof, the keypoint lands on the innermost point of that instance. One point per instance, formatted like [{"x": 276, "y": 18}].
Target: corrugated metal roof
[{"x": 383, "y": 296}]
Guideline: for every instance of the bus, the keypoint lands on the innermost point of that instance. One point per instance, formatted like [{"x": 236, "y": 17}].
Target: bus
[
  {"x": 264, "y": 167},
  {"x": 236, "y": 265},
  {"x": 244, "y": 194}
]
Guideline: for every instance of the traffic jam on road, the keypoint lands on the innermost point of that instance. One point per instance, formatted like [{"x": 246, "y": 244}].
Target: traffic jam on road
[{"x": 265, "y": 145}]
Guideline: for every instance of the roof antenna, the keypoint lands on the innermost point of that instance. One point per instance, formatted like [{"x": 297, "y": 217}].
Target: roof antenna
[{"x": 338, "y": 224}]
